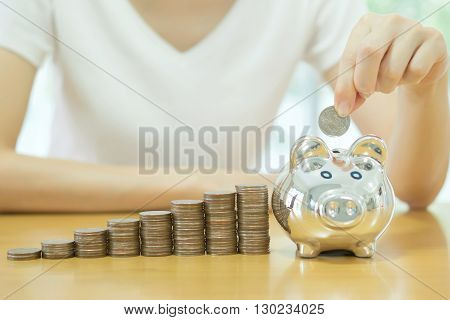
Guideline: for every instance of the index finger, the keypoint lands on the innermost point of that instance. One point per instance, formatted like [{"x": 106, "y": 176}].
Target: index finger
[{"x": 346, "y": 97}]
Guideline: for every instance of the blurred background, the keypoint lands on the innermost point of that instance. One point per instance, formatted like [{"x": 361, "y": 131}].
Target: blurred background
[{"x": 34, "y": 138}]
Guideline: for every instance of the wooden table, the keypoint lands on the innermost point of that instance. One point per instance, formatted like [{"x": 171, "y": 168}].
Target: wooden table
[{"x": 412, "y": 263}]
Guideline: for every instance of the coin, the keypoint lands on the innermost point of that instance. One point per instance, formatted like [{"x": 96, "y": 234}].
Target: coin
[
  {"x": 58, "y": 249},
  {"x": 188, "y": 227},
  {"x": 91, "y": 242},
  {"x": 253, "y": 219},
  {"x": 156, "y": 233},
  {"x": 220, "y": 218},
  {"x": 123, "y": 237},
  {"x": 22, "y": 254},
  {"x": 123, "y": 221},
  {"x": 331, "y": 124}
]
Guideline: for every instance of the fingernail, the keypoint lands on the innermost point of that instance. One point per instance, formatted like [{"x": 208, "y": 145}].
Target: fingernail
[{"x": 343, "y": 109}]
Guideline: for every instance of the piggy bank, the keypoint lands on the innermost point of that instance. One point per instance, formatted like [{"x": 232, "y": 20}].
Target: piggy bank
[{"x": 335, "y": 199}]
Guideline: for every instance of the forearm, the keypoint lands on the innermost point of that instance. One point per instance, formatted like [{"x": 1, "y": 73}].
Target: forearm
[
  {"x": 419, "y": 143},
  {"x": 52, "y": 185},
  {"x": 36, "y": 184}
]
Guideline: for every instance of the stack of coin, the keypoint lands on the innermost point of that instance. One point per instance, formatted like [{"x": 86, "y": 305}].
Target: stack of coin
[
  {"x": 123, "y": 237},
  {"x": 91, "y": 242},
  {"x": 188, "y": 227},
  {"x": 253, "y": 219},
  {"x": 156, "y": 233},
  {"x": 220, "y": 218},
  {"x": 58, "y": 249},
  {"x": 21, "y": 254}
]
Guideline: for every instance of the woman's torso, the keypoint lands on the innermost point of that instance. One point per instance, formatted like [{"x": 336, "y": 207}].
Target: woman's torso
[{"x": 117, "y": 75}]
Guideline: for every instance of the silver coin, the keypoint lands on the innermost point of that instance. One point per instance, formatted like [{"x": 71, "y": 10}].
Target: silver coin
[
  {"x": 331, "y": 124},
  {"x": 21, "y": 254},
  {"x": 90, "y": 231},
  {"x": 187, "y": 202},
  {"x": 57, "y": 242},
  {"x": 155, "y": 215},
  {"x": 253, "y": 219}
]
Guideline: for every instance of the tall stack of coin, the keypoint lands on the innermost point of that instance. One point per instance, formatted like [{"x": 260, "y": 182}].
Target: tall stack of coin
[
  {"x": 91, "y": 242},
  {"x": 220, "y": 218},
  {"x": 156, "y": 233},
  {"x": 123, "y": 236},
  {"x": 188, "y": 227},
  {"x": 253, "y": 219},
  {"x": 22, "y": 254},
  {"x": 58, "y": 249}
]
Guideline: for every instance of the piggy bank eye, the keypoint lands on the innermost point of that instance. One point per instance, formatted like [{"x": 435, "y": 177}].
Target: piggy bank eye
[
  {"x": 326, "y": 174},
  {"x": 356, "y": 175}
]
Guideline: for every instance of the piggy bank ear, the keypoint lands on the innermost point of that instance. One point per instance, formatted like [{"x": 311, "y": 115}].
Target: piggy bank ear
[
  {"x": 370, "y": 146},
  {"x": 312, "y": 149}
]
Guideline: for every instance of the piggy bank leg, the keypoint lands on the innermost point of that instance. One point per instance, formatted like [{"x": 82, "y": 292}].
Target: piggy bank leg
[
  {"x": 307, "y": 250},
  {"x": 364, "y": 249}
]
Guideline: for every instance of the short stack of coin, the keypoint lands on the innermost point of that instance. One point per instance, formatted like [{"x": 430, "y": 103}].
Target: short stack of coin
[
  {"x": 123, "y": 237},
  {"x": 91, "y": 242},
  {"x": 253, "y": 219},
  {"x": 58, "y": 249},
  {"x": 188, "y": 227},
  {"x": 22, "y": 254},
  {"x": 220, "y": 218},
  {"x": 156, "y": 233}
]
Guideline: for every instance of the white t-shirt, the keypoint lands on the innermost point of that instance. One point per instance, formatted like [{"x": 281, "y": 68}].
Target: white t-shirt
[{"x": 116, "y": 74}]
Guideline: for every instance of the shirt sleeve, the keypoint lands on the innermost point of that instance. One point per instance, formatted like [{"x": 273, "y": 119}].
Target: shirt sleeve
[
  {"x": 26, "y": 29},
  {"x": 332, "y": 22}
]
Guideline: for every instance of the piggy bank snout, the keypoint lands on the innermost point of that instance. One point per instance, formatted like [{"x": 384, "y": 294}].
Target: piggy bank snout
[{"x": 341, "y": 210}]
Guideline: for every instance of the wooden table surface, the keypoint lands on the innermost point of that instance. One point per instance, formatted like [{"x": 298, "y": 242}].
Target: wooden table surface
[{"x": 412, "y": 263}]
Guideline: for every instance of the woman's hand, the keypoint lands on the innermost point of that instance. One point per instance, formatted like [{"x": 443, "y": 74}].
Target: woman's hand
[{"x": 384, "y": 52}]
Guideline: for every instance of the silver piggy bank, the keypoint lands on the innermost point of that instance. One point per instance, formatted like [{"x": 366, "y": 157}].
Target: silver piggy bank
[{"x": 335, "y": 199}]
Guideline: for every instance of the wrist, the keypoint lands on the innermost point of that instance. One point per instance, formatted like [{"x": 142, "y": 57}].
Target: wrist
[{"x": 423, "y": 94}]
